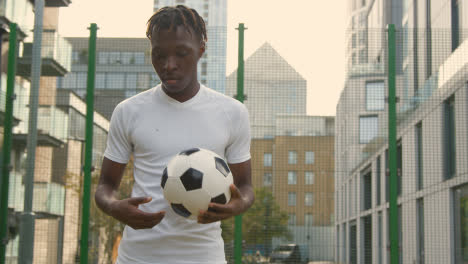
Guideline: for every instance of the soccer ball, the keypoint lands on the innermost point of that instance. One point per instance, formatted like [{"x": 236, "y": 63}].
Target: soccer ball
[{"x": 194, "y": 178}]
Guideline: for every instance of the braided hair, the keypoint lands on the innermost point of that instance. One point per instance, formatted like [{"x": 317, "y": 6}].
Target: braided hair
[{"x": 169, "y": 18}]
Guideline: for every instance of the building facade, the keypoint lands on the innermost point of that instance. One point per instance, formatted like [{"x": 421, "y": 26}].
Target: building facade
[
  {"x": 212, "y": 66},
  {"x": 272, "y": 87},
  {"x": 431, "y": 85},
  {"x": 298, "y": 168},
  {"x": 123, "y": 69}
]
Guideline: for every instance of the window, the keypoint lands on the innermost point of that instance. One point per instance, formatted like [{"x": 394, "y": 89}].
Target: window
[
  {"x": 428, "y": 40},
  {"x": 143, "y": 81},
  {"x": 115, "y": 81},
  {"x": 377, "y": 176},
  {"x": 366, "y": 178},
  {"x": 309, "y": 199},
  {"x": 292, "y": 178},
  {"x": 309, "y": 157},
  {"x": 455, "y": 6},
  {"x": 81, "y": 80},
  {"x": 367, "y": 226},
  {"x": 375, "y": 96},
  {"x": 292, "y": 157},
  {"x": 292, "y": 219},
  {"x": 461, "y": 223},
  {"x": 114, "y": 58},
  {"x": 368, "y": 128},
  {"x": 203, "y": 69},
  {"x": 69, "y": 80},
  {"x": 292, "y": 199},
  {"x": 139, "y": 57},
  {"x": 309, "y": 177},
  {"x": 267, "y": 159},
  {"x": 103, "y": 57},
  {"x": 420, "y": 229},
  {"x": 267, "y": 179},
  {"x": 131, "y": 81},
  {"x": 309, "y": 219},
  {"x": 419, "y": 156},
  {"x": 449, "y": 138},
  {"x": 100, "y": 80},
  {"x": 127, "y": 58}
]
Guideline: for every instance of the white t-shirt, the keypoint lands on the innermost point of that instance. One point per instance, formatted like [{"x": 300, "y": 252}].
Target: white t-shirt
[{"x": 154, "y": 127}]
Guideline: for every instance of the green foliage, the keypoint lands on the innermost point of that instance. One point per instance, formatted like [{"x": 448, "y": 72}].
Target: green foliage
[{"x": 261, "y": 223}]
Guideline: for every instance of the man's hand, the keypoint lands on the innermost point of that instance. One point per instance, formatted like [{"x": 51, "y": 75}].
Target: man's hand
[
  {"x": 217, "y": 212},
  {"x": 127, "y": 212}
]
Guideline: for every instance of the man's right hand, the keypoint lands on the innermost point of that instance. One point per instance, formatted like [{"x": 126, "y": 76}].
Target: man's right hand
[{"x": 127, "y": 212}]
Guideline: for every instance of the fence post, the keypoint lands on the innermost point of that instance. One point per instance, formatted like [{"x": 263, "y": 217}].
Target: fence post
[
  {"x": 240, "y": 97},
  {"x": 392, "y": 148},
  {"x": 5, "y": 179},
  {"x": 88, "y": 144}
]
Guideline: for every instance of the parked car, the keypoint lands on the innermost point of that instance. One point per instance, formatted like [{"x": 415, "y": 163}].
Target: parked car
[{"x": 290, "y": 253}]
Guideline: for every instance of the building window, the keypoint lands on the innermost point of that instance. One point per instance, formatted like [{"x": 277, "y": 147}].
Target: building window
[
  {"x": 143, "y": 81},
  {"x": 368, "y": 128},
  {"x": 420, "y": 229},
  {"x": 309, "y": 157},
  {"x": 203, "y": 69},
  {"x": 115, "y": 81},
  {"x": 375, "y": 96},
  {"x": 309, "y": 220},
  {"x": 131, "y": 81},
  {"x": 292, "y": 157},
  {"x": 309, "y": 199},
  {"x": 267, "y": 179},
  {"x": 103, "y": 57},
  {"x": 377, "y": 176},
  {"x": 449, "y": 138},
  {"x": 180, "y": 1},
  {"x": 292, "y": 220},
  {"x": 114, "y": 58},
  {"x": 419, "y": 156},
  {"x": 100, "y": 80},
  {"x": 461, "y": 223},
  {"x": 366, "y": 178},
  {"x": 139, "y": 57},
  {"x": 292, "y": 199},
  {"x": 455, "y": 6},
  {"x": 267, "y": 159},
  {"x": 292, "y": 178},
  {"x": 309, "y": 177},
  {"x": 81, "y": 80},
  {"x": 367, "y": 226},
  {"x": 379, "y": 238}
]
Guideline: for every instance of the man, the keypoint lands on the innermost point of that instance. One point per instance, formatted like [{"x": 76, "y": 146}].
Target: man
[{"x": 155, "y": 125}]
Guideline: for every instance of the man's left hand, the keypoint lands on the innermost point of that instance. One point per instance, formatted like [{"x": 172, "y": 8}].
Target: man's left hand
[{"x": 217, "y": 212}]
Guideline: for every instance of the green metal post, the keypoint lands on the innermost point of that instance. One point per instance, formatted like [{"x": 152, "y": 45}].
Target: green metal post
[
  {"x": 392, "y": 148},
  {"x": 88, "y": 144},
  {"x": 240, "y": 97},
  {"x": 7, "y": 142}
]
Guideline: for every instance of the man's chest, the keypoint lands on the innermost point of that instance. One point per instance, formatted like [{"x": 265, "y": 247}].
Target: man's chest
[{"x": 160, "y": 135}]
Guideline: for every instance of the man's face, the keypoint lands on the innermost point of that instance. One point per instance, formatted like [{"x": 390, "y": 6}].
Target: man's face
[{"x": 174, "y": 55}]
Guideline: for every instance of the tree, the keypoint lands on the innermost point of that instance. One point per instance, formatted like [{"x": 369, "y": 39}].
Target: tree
[
  {"x": 103, "y": 229},
  {"x": 261, "y": 223}
]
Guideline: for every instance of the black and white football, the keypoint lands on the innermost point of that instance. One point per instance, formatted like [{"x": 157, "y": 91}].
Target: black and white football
[{"x": 194, "y": 178}]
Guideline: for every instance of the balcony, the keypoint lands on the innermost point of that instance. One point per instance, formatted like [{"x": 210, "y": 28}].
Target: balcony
[
  {"x": 56, "y": 56},
  {"x": 52, "y": 128},
  {"x": 19, "y": 12},
  {"x": 54, "y": 3},
  {"x": 2, "y": 110},
  {"x": 366, "y": 69},
  {"x": 49, "y": 198}
]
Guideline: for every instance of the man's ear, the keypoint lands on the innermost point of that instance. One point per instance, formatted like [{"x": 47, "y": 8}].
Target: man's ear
[{"x": 202, "y": 48}]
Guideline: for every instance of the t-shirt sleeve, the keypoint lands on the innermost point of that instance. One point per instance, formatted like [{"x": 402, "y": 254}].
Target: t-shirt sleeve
[
  {"x": 118, "y": 147},
  {"x": 238, "y": 149}
]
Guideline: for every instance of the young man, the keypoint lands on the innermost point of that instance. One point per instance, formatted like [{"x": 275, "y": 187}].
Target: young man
[{"x": 155, "y": 125}]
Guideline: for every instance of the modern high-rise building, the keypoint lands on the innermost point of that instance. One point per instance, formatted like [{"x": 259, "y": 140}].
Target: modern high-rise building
[
  {"x": 432, "y": 87},
  {"x": 272, "y": 87},
  {"x": 212, "y": 66}
]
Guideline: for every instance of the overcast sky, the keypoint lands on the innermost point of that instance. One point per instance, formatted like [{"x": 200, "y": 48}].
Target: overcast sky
[{"x": 309, "y": 34}]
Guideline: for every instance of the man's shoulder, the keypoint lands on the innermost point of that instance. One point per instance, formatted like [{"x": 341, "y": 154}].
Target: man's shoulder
[
  {"x": 223, "y": 100},
  {"x": 138, "y": 99}
]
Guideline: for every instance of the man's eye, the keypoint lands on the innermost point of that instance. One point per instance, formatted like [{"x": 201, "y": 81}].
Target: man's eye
[{"x": 182, "y": 53}]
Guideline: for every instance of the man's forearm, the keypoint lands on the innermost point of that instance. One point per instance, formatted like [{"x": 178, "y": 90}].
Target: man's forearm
[
  {"x": 104, "y": 197},
  {"x": 248, "y": 196}
]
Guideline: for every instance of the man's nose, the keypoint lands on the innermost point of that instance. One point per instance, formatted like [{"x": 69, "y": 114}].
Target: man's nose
[{"x": 171, "y": 63}]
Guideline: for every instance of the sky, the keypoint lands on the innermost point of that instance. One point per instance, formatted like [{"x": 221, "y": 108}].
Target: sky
[{"x": 308, "y": 34}]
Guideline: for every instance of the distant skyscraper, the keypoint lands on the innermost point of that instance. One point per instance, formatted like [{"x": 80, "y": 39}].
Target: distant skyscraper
[{"x": 212, "y": 66}]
